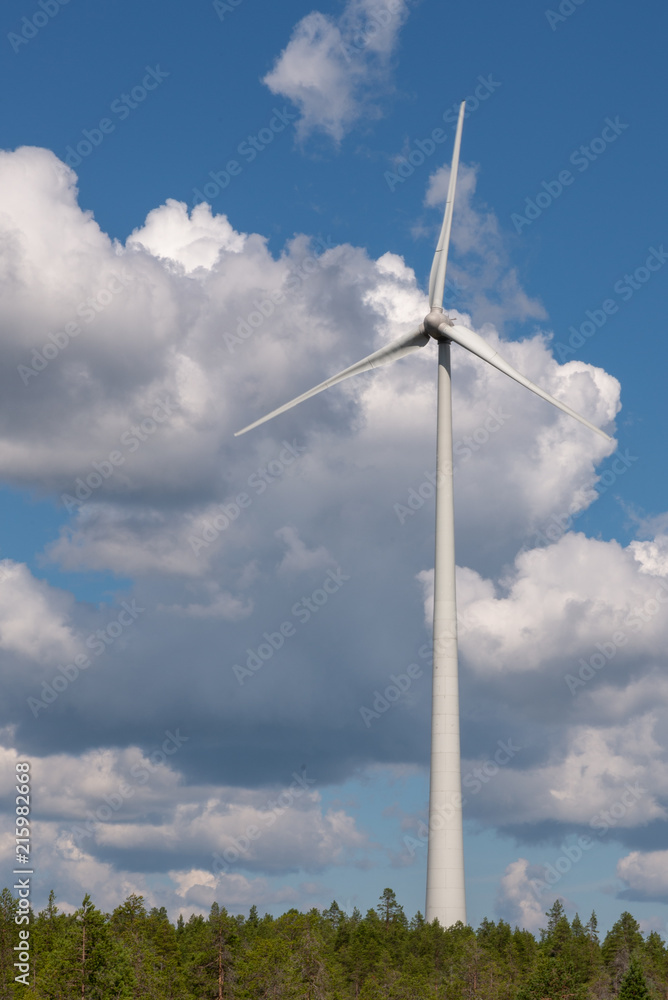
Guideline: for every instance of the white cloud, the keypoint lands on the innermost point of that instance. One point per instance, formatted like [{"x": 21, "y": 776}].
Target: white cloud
[
  {"x": 645, "y": 874},
  {"x": 557, "y": 605},
  {"x": 131, "y": 542},
  {"x": 607, "y": 780},
  {"x": 517, "y": 901},
  {"x": 34, "y": 617},
  {"x": 332, "y": 69},
  {"x": 198, "y": 891},
  {"x": 93, "y": 831},
  {"x": 194, "y": 241},
  {"x": 652, "y": 555}
]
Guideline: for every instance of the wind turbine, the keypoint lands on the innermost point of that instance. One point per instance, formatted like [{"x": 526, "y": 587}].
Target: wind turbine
[{"x": 446, "y": 900}]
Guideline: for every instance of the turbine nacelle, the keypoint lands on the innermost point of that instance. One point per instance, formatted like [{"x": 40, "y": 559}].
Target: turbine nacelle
[{"x": 434, "y": 323}]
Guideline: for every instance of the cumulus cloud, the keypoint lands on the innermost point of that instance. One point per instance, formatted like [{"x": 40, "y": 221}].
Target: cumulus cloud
[
  {"x": 645, "y": 874},
  {"x": 130, "y": 812},
  {"x": 198, "y": 890},
  {"x": 35, "y": 619},
  {"x": 652, "y": 555},
  {"x": 193, "y": 241},
  {"x": 603, "y": 780},
  {"x": 333, "y": 69},
  {"x": 517, "y": 902},
  {"x": 557, "y": 604}
]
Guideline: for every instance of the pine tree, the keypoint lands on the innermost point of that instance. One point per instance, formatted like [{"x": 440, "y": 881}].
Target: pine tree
[
  {"x": 99, "y": 966},
  {"x": 551, "y": 979},
  {"x": 655, "y": 950},
  {"x": 195, "y": 946},
  {"x": 524, "y": 954},
  {"x": 592, "y": 928},
  {"x": 267, "y": 970},
  {"x": 310, "y": 957},
  {"x": 162, "y": 939},
  {"x": 624, "y": 938},
  {"x": 223, "y": 931},
  {"x": 583, "y": 953},
  {"x": 334, "y": 915},
  {"x": 621, "y": 942},
  {"x": 556, "y": 939},
  {"x": 389, "y": 909},
  {"x": 633, "y": 985}
]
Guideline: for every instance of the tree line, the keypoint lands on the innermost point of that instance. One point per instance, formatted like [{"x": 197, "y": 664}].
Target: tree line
[{"x": 137, "y": 953}]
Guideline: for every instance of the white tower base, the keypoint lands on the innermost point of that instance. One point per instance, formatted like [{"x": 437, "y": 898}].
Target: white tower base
[{"x": 446, "y": 901}]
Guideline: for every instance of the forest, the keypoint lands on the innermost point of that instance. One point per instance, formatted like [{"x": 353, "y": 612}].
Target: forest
[{"x": 322, "y": 955}]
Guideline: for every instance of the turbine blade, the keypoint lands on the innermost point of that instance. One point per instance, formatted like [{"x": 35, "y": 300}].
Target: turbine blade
[
  {"x": 474, "y": 342},
  {"x": 392, "y": 352},
  {"x": 439, "y": 263}
]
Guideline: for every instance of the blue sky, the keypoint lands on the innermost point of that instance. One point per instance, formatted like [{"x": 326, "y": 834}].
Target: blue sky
[{"x": 310, "y": 132}]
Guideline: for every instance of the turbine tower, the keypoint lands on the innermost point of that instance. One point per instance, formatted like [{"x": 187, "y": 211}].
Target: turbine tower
[{"x": 446, "y": 901}]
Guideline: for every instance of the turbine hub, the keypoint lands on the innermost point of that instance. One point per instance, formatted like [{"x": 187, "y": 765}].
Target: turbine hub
[{"x": 434, "y": 320}]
